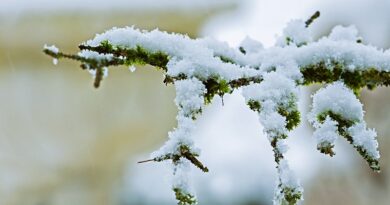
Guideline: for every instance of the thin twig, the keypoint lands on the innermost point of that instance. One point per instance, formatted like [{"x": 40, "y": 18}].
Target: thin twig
[
  {"x": 312, "y": 18},
  {"x": 149, "y": 160}
]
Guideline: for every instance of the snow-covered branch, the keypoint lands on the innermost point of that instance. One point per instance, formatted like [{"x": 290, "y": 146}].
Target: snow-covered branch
[{"x": 270, "y": 79}]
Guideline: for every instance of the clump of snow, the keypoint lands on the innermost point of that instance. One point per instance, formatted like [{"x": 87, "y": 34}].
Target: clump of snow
[
  {"x": 366, "y": 138},
  {"x": 189, "y": 96},
  {"x": 181, "y": 176},
  {"x": 276, "y": 91},
  {"x": 274, "y": 87},
  {"x": 274, "y": 124},
  {"x": 342, "y": 33},
  {"x": 287, "y": 181},
  {"x": 190, "y": 101},
  {"x": 132, "y": 68},
  {"x": 223, "y": 49},
  {"x": 95, "y": 55},
  {"x": 295, "y": 33},
  {"x": 339, "y": 99},
  {"x": 182, "y": 135},
  {"x": 51, "y": 48},
  {"x": 287, "y": 177},
  {"x": 93, "y": 72},
  {"x": 326, "y": 133},
  {"x": 250, "y": 45},
  {"x": 282, "y": 146}
]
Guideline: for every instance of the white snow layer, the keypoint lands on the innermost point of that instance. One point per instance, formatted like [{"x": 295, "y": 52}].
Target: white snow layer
[
  {"x": 339, "y": 99},
  {"x": 199, "y": 57},
  {"x": 341, "y": 33},
  {"x": 326, "y": 133},
  {"x": 295, "y": 33}
]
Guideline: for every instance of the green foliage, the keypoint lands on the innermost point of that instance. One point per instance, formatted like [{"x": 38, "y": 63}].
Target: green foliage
[
  {"x": 254, "y": 105},
  {"x": 226, "y": 59},
  {"x": 290, "y": 112},
  {"x": 326, "y": 148},
  {"x": 343, "y": 125},
  {"x": 292, "y": 196},
  {"x": 134, "y": 56},
  {"x": 184, "y": 198},
  {"x": 356, "y": 80},
  {"x": 216, "y": 86}
]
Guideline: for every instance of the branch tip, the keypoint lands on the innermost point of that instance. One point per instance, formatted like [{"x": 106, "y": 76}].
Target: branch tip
[
  {"x": 144, "y": 161},
  {"x": 312, "y": 18}
]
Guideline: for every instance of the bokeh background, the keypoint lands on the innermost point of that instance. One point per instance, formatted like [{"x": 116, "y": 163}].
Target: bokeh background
[{"x": 63, "y": 142}]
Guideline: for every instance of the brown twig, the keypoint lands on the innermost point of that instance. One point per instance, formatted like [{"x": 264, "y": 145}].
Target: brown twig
[
  {"x": 312, "y": 18},
  {"x": 144, "y": 161}
]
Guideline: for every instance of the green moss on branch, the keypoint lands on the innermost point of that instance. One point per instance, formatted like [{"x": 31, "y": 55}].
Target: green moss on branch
[
  {"x": 137, "y": 55},
  {"x": 343, "y": 125},
  {"x": 356, "y": 80},
  {"x": 184, "y": 198}
]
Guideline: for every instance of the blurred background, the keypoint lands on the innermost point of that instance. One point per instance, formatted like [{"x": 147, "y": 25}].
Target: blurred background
[{"x": 63, "y": 142}]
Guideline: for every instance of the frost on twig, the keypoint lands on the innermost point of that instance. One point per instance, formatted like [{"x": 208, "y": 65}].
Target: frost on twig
[{"x": 270, "y": 80}]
